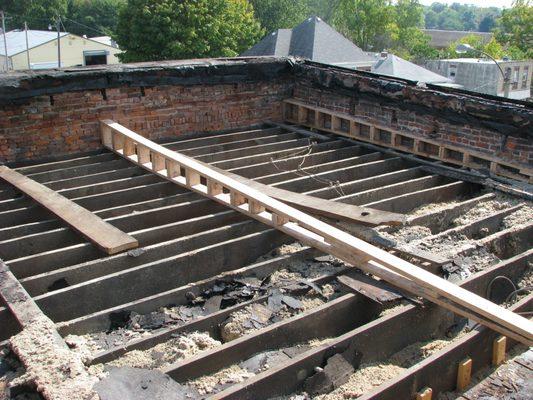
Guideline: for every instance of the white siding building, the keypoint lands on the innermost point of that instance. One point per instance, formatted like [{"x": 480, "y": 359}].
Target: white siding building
[{"x": 42, "y": 50}]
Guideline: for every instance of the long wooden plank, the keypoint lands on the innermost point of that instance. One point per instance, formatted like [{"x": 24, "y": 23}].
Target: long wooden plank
[
  {"x": 327, "y": 208},
  {"x": 104, "y": 235},
  {"x": 202, "y": 179}
]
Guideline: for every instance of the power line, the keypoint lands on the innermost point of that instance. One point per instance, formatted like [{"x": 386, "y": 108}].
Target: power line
[
  {"x": 65, "y": 18},
  {"x": 85, "y": 26}
]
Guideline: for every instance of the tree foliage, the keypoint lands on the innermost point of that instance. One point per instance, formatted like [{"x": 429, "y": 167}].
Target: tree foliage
[
  {"x": 460, "y": 17},
  {"x": 515, "y": 28},
  {"x": 492, "y": 48},
  {"x": 99, "y": 16},
  {"x": 38, "y": 14},
  {"x": 175, "y": 29},
  {"x": 278, "y": 14},
  {"x": 368, "y": 23}
]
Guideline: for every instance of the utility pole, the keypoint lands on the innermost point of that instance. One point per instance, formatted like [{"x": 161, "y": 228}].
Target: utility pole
[
  {"x": 506, "y": 82},
  {"x": 58, "y": 41},
  {"x": 27, "y": 46},
  {"x": 5, "y": 38}
]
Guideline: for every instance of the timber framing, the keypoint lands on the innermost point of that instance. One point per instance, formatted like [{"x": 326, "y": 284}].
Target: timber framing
[
  {"x": 201, "y": 179},
  {"x": 107, "y": 237},
  {"x": 203, "y": 263},
  {"x": 179, "y": 230},
  {"x": 356, "y": 128}
]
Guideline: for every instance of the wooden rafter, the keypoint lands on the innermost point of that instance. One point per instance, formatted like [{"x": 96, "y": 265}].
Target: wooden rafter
[
  {"x": 202, "y": 179},
  {"x": 104, "y": 235}
]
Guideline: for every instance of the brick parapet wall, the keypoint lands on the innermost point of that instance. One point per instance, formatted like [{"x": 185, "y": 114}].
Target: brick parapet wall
[
  {"x": 53, "y": 113},
  {"x": 67, "y": 122},
  {"x": 404, "y": 119}
]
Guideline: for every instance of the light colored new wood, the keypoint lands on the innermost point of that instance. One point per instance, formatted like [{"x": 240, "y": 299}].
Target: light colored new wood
[
  {"x": 498, "y": 350},
  {"x": 424, "y": 394},
  {"x": 329, "y": 239},
  {"x": 101, "y": 233},
  {"x": 525, "y": 173},
  {"x": 464, "y": 374}
]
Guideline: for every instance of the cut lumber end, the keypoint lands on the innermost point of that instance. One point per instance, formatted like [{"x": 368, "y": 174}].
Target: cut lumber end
[
  {"x": 424, "y": 394},
  {"x": 464, "y": 374},
  {"x": 498, "y": 350}
]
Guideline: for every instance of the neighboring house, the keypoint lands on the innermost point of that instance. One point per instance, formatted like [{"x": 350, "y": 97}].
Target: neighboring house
[
  {"x": 484, "y": 76},
  {"x": 105, "y": 40},
  {"x": 42, "y": 49},
  {"x": 441, "y": 39},
  {"x": 315, "y": 40},
  {"x": 392, "y": 65}
]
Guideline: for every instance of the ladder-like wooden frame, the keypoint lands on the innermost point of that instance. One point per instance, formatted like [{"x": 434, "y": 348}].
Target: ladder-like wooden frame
[
  {"x": 356, "y": 128},
  {"x": 201, "y": 178}
]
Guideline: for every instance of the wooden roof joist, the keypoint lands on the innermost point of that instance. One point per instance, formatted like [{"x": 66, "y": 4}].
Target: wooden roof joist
[
  {"x": 203, "y": 179},
  {"x": 104, "y": 235}
]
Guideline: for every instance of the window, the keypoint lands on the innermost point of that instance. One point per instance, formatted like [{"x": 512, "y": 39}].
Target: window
[
  {"x": 516, "y": 74},
  {"x": 525, "y": 76},
  {"x": 452, "y": 71},
  {"x": 95, "y": 57}
]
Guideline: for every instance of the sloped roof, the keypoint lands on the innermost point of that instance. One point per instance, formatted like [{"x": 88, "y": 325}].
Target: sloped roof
[
  {"x": 16, "y": 40},
  {"x": 400, "y": 68},
  {"x": 313, "y": 39}
]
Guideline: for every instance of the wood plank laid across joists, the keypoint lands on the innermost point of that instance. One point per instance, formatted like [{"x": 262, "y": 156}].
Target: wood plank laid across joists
[
  {"x": 202, "y": 179},
  {"x": 104, "y": 235},
  {"x": 315, "y": 205},
  {"x": 356, "y": 128}
]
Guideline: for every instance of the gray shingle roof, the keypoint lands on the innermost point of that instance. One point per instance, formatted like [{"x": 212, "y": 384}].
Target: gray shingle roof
[
  {"x": 312, "y": 39},
  {"x": 400, "y": 68},
  {"x": 16, "y": 40}
]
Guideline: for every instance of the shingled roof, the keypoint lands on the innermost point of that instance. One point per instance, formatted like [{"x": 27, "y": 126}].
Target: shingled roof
[
  {"x": 313, "y": 39},
  {"x": 395, "y": 66}
]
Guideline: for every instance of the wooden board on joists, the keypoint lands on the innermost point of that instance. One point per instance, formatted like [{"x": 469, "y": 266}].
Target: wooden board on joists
[
  {"x": 202, "y": 179},
  {"x": 102, "y": 234},
  {"x": 315, "y": 205}
]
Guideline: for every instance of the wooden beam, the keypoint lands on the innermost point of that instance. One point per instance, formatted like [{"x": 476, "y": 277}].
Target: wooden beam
[
  {"x": 464, "y": 374},
  {"x": 104, "y": 235},
  {"x": 39, "y": 342},
  {"x": 444, "y": 151},
  {"x": 315, "y": 205},
  {"x": 329, "y": 239}
]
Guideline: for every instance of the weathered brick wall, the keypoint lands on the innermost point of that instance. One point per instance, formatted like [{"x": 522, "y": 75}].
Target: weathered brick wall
[
  {"x": 428, "y": 125},
  {"x": 68, "y": 122}
]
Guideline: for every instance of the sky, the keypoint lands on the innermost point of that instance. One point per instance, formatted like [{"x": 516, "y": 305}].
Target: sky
[{"x": 479, "y": 3}]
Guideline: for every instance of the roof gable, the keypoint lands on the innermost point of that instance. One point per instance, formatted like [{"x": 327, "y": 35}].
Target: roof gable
[
  {"x": 400, "y": 68},
  {"x": 16, "y": 40}
]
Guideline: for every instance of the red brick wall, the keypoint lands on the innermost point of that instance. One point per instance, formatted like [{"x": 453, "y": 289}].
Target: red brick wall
[
  {"x": 68, "y": 122},
  {"x": 426, "y": 125}
]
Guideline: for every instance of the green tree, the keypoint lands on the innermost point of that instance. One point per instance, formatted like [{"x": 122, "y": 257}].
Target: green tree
[
  {"x": 449, "y": 20},
  {"x": 409, "y": 14},
  {"x": 493, "y": 48},
  {"x": 38, "y": 14},
  {"x": 413, "y": 44},
  {"x": 487, "y": 24},
  {"x": 98, "y": 16},
  {"x": 278, "y": 14},
  {"x": 516, "y": 27},
  {"x": 468, "y": 18},
  {"x": 368, "y": 23},
  {"x": 174, "y": 29}
]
